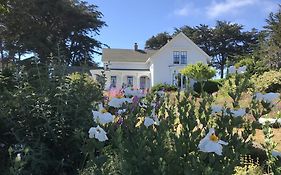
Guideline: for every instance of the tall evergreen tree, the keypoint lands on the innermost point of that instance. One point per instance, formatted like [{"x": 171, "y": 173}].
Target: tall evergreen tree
[
  {"x": 158, "y": 41},
  {"x": 272, "y": 43},
  {"x": 46, "y": 26},
  {"x": 224, "y": 43}
]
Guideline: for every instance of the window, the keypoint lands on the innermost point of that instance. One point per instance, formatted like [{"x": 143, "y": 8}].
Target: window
[
  {"x": 130, "y": 81},
  {"x": 180, "y": 57},
  {"x": 183, "y": 57},
  {"x": 113, "y": 80},
  {"x": 176, "y": 57}
]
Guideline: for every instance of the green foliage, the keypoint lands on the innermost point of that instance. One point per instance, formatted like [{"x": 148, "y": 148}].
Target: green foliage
[
  {"x": 223, "y": 42},
  {"x": 210, "y": 86},
  {"x": 248, "y": 170},
  {"x": 158, "y": 41},
  {"x": 51, "y": 25},
  {"x": 198, "y": 71},
  {"x": 172, "y": 147},
  {"x": 268, "y": 82},
  {"x": 248, "y": 167},
  {"x": 164, "y": 87},
  {"x": 272, "y": 49},
  {"x": 269, "y": 145},
  {"x": 44, "y": 116}
]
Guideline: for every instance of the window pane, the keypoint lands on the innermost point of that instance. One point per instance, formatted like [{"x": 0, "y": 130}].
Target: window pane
[
  {"x": 176, "y": 57},
  {"x": 184, "y": 57},
  {"x": 130, "y": 81},
  {"x": 113, "y": 80}
]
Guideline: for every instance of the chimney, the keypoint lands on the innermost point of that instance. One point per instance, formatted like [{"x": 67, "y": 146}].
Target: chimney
[{"x": 136, "y": 46}]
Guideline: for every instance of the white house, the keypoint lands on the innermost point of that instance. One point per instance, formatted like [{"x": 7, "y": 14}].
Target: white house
[{"x": 146, "y": 68}]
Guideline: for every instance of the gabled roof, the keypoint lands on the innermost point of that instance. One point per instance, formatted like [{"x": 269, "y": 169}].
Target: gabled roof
[
  {"x": 181, "y": 34},
  {"x": 126, "y": 55},
  {"x": 131, "y": 55}
]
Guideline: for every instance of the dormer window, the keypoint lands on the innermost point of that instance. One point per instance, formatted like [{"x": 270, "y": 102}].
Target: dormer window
[{"x": 180, "y": 57}]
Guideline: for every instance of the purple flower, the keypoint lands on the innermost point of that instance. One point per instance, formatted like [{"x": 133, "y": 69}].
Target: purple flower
[{"x": 120, "y": 121}]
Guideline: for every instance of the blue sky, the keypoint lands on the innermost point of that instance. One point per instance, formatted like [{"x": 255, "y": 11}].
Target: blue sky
[{"x": 131, "y": 21}]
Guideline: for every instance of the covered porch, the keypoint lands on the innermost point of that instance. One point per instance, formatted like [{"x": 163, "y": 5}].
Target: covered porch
[{"x": 120, "y": 78}]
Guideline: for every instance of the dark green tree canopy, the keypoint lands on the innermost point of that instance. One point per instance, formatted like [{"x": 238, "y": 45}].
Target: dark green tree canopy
[
  {"x": 158, "y": 41},
  {"x": 272, "y": 42},
  {"x": 46, "y": 26},
  {"x": 224, "y": 43}
]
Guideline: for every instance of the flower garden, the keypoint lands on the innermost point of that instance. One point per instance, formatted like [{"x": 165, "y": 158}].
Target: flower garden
[{"x": 65, "y": 124}]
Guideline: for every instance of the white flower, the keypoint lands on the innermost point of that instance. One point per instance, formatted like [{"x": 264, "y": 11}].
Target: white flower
[
  {"x": 121, "y": 111},
  {"x": 238, "y": 113},
  {"x": 264, "y": 120},
  {"x": 153, "y": 119},
  {"x": 98, "y": 133},
  {"x": 148, "y": 121},
  {"x": 118, "y": 102},
  {"x": 142, "y": 105},
  {"x": 269, "y": 97},
  {"x": 240, "y": 70},
  {"x": 232, "y": 70},
  {"x": 217, "y": 109},
  {"x": 18, "y": 158},
  {"x": 211, "y": 143},
  {"x": 276, "y": 153},
  {"x": 160, "y": 93},
  {"x": 102, "y": 116},
  {"x": 131, "y": 92}
]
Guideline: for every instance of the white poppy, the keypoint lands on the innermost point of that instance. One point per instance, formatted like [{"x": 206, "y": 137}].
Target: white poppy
[
  {"x": 232, "y": 70},
  {"x": 142, "y": 105},
  {"x": 241, "y": 70},
  {"x": 160, "y": 93},
  {"x": 211, "y": 143},
  {"x": 131, "y": 92},
  {"x": 217, "y": 109},
  {"x": 269, "y": 97},
  {"x": 151, "y": 120},
  {"x": 98, "y": 133},
  {"x": 148, "y": 121},
  {"x": 264, "y": 120},
  {"x": 102, "y": 116},
  {"x": 238, "y": 113},
  {"x": 276, "y": 153},
  {"x": 118, "y": 102},
  {"x": 121, "y": 111}
]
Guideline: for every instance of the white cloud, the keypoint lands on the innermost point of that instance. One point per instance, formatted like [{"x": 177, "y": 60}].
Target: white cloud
[
  {"x": 187, "y": 10},
  {"x": 228, "y": 6}
]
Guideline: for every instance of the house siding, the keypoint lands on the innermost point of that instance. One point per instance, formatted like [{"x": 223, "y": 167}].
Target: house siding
[
  {"x": 164, "y": 68},
  {"x": 159, "y": 68}
]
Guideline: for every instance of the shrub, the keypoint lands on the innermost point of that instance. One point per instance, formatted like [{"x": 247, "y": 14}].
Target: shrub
[
  {"x": 268, "y": 82},
  {"x": 165, "y": 87},
  {"x": 199, "y": 71},
  {"x": 44, "y": 122},
  {"x": 210, "y": 86}
]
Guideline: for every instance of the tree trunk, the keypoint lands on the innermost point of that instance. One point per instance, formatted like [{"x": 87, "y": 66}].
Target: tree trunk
[
  {"x": 222, "y": 70},
  {"x": 223, "y": 61}
]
